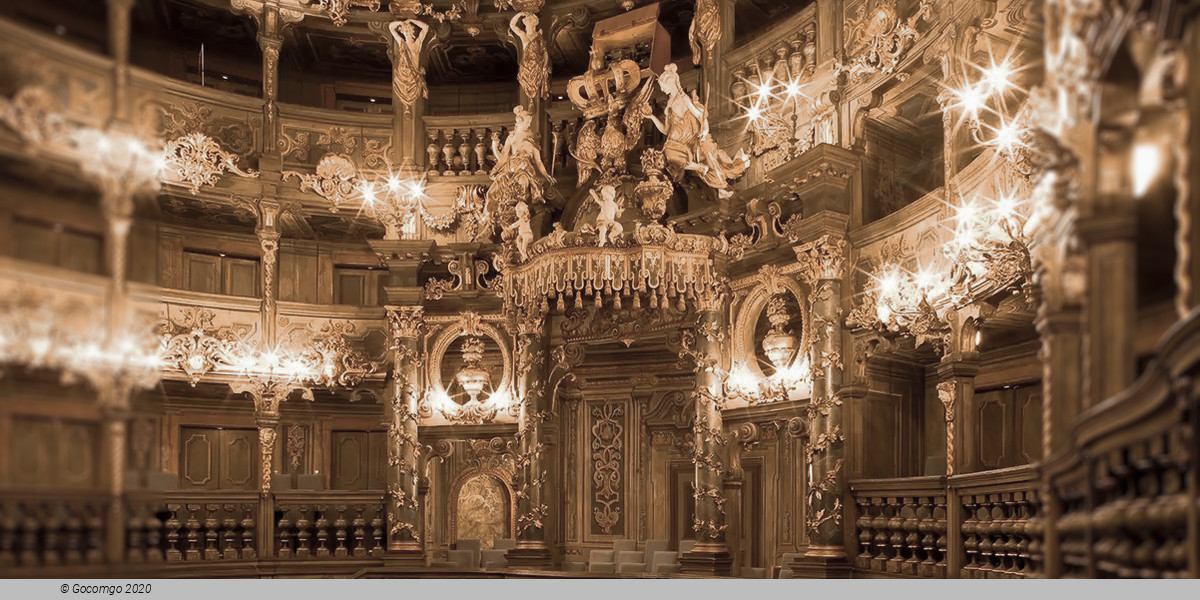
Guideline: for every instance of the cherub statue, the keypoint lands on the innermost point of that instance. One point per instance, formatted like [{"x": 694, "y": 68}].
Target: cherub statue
[
  {"x": 518, "y": 165},
  {"x": 524, "y": 230},
  {"x": 534, "y": 72},
  {"x": 607, "y": 226},
  {"x": 689, "y": 145},
  {"x": 408, "y": 81}
]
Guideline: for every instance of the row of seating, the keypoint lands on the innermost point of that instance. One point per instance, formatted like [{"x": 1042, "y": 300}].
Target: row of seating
[
  {"x": 624, "y": 557},
  {"x": 470, "y": 554}
]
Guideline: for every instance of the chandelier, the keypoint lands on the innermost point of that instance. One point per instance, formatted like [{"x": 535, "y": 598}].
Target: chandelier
[
  {"x": 989, "y": 247},
  {"x": 122, "y": 163}
]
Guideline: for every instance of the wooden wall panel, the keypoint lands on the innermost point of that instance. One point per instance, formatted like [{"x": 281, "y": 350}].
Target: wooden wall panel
[
  {"x": 238, "y": 459},
  {"x": 47, "y": 451},
  {"x": 359, "y": 460},
  {"x": 212, "y": 458}
]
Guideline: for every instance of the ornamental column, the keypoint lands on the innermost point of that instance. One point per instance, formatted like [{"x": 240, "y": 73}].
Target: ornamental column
[
  {"x": 404, "y": 295},
  {"x": 401, "y": 413},
  {"x": 270, "y": 41},
  {"x": 115, "y": 408},
  {"x": 118, "y": 44},
  {"x": 710, "y": 554},
  {"x": 268, "y": 240},
  {"x": 821, "y": 268},
  {"x": 408, "y": 51},
  {"x": 533, "y": 464}
]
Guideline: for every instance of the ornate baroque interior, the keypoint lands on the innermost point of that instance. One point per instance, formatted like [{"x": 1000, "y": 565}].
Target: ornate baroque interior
[{"x": 749, "y": 288}]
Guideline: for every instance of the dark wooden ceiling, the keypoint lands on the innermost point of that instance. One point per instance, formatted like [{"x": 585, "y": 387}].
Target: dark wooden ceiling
[{"x": 316, "y": 47}]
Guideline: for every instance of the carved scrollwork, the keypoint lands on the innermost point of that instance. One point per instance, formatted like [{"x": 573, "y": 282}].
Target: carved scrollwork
[
  {"x": 608, "y": 432},
  {"x": 336, "y": 180},
  {"x": 198, "y": 160}
]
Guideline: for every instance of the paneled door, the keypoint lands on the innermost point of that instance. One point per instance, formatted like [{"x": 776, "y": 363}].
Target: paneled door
[{"x": 217, "y": 458}]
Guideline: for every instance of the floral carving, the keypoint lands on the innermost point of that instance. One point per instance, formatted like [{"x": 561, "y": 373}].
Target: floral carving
[
  {"x": 880, "y": 38},
  {"x": 198, "y": 160},
  {"x": 335, "y": 180},
  {"x": 608, "y": 431}
]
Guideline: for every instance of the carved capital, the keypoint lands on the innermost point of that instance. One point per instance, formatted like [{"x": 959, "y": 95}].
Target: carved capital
[
  {"x": 405, "y": 322},
  {"x": 822, "y": 259}
]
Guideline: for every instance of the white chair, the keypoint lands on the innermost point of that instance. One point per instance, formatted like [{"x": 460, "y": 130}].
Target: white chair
[
  {"x": 624, "y": 545},
  {"x": 753, "y": 573},
  {"x": 474, "y": 547},
  {"x": 504, "y": 544},
  {"x": 575, "y": 566},
  {"x": 653, "y": 546},
  {"x": 686, "y": 546},
  {"x": 665, "y": 561},
  {"x": 785, "y": 565},
  {"x": 631, "y": 561},
  {"x": 601, "y": 561},
  {"x": 493, "y": 558},
  {"x": 458, "y": 559}
]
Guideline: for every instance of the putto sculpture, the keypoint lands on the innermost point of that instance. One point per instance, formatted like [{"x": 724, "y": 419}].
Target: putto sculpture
[{"x": 607, "y": 225}]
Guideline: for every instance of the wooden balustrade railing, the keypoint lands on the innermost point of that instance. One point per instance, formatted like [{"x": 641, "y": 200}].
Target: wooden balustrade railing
[
  {"x": 974, "y": 526},
  {"x": 1125, "y": 489},
  {"x": 998, "y": 508},
  {"x": 43, "y": 531},
  {"x": 330, "y": 525},
  {"x": 40, "y": 530},
  {"x": 901, "y": 526},
  {"x": 191, "y": 526}
]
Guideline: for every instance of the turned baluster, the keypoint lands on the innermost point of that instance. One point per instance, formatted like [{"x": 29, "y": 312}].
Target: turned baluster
[
  {"x": 940, "y": 529},
  {"x": 173, "y": 553},
  {"x": 339, "y": 525},
  {"x": 970, "y": 537},
  {"x": 462, "y": 162},
  {"x": 154, "y": 525},
  {"x": 193, "y": 532},
  {"x": 912, "y": 539},
  {"x": 448, "y": 151},
  {"x": 895, "y": 526},
  {"x": 228, "y": 525},
  {"x": 73, "y": 526},
  {"x": 8, "y": 534},
  {"x": 927, "y": 544},
  {"x": 135, "y": 547},
  {"x": 322, "y": 526},
  {"x": 303, "y": 533},
  {"x": 210, "y": 532},
  {"x": 29, "y": 535},
  {"x": 377, "y": 533},
  {"x": 864, "y": 533},
  {"x": 282, "y": 532},
  {"x": 480, "y": 152},
  {"x": 988, "y": 541},
  {"x": 248, "y": 526},
  {"x": 432, "y": 151},
  {"x": 360, "y": 531},
  {"x": 94, "y": 525},
  {"x": 882, "y": 546},
  {"x": 50, "y": 535}
]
